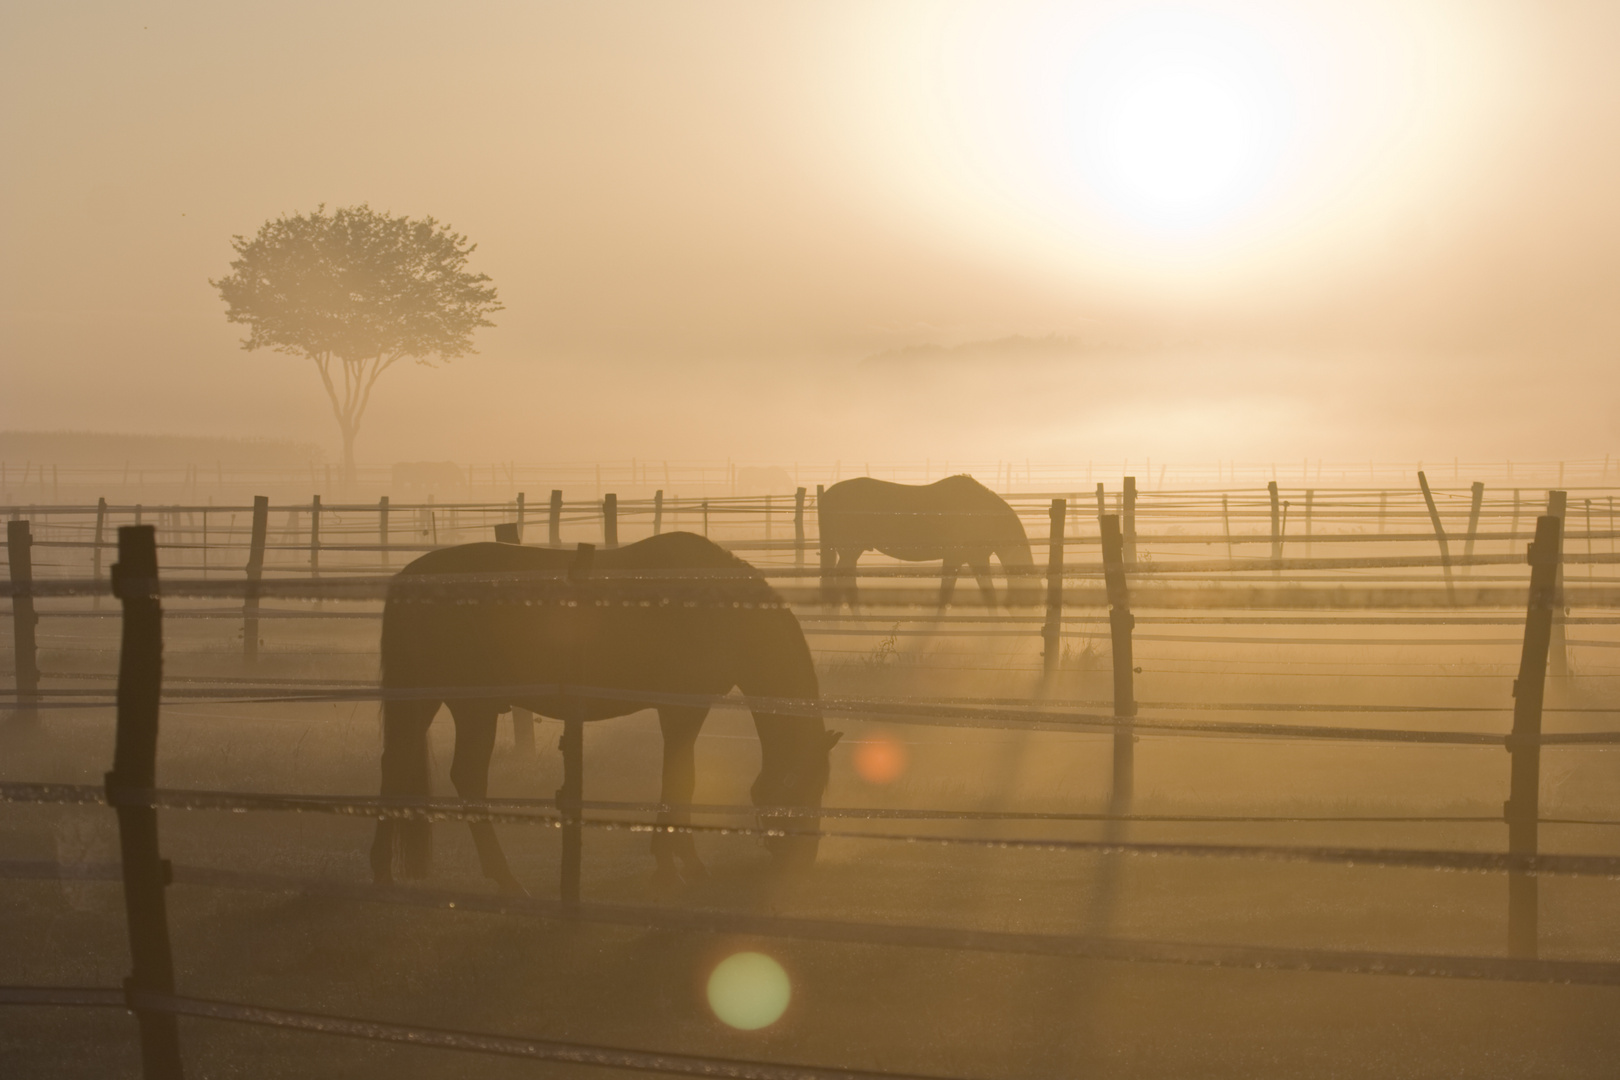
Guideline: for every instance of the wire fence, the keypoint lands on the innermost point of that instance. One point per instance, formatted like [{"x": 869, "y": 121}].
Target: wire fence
[{"x": 1154, "y": 584}]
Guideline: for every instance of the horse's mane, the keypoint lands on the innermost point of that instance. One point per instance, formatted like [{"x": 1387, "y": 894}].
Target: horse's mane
[{"x": 668, "y": 551}]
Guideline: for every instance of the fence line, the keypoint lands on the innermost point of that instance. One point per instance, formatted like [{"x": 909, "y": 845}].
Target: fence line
[
  {"x": 545, "y": 813},
  {"x": 1252, "y": 957},
  {"x": 1279, "y": 596},
  {"x": 932, "y": 713},
  {"x": 130, "y": 788},
  {"x": 723, "y": 478}
]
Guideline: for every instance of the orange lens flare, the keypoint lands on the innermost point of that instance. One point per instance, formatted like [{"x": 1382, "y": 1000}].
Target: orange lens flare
[{"x": 880, "y": 760}]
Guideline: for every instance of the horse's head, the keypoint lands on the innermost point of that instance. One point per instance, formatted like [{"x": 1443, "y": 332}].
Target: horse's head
[
  {"x": 1023, "y": 577},
  {"x": 796, "y": 775},
  {"x": 1011, "y": 545}
]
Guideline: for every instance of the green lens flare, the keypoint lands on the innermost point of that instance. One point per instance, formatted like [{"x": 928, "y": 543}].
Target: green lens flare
[{"x": 749, "y": 990}]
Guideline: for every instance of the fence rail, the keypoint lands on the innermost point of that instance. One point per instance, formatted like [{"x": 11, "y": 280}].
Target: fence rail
[{"x": 719, "y": 478}]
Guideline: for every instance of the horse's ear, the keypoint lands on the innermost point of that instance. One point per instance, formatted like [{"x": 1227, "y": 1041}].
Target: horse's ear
[{"x": 832, "y": 738}]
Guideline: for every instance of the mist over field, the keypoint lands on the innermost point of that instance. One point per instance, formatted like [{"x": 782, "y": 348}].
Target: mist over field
[
  {"x": 833, "y": 540},
  {"x": 742, "y": 204}
]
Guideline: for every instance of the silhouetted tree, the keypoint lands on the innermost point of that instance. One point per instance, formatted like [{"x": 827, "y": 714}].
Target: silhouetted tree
[{"x": 355, "y": 291}]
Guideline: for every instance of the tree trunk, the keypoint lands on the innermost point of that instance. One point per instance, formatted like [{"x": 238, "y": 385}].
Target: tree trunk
[{"x": 349, "y": 433}]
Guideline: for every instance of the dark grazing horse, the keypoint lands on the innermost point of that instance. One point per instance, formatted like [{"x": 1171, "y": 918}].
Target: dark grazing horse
[
  {"x": 484, "y": 627},
  {"x": 956, "y": 520}
]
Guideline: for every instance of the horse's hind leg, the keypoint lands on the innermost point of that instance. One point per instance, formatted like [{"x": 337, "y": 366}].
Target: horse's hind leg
[
  {"x": 846, "y": 577},
  {"x": 404, "y": 773},
  {"x": 680, "y": 725},
  {"x": 469, "y": 772},
  {"x": 987, "y": 584},
  {"x": 947, "y": 584}
]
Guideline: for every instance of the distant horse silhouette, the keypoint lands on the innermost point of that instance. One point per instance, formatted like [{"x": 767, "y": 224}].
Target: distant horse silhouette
[
  {"x": 673, "y": 614},
  {"x": 956, "y": 520}
]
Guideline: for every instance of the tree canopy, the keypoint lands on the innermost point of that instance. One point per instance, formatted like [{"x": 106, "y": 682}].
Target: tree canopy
[{"x": 356, "y": 290}]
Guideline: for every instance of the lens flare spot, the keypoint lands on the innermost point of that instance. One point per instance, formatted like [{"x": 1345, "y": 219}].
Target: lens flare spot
[
  {"x": 749, "y": 991},
  {"x": 880, "y": 760}
]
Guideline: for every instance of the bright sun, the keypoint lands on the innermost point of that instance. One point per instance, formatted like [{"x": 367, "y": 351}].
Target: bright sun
[{"x": 1178, "y": 117}]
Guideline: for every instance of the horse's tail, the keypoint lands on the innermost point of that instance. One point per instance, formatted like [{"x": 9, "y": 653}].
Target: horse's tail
[
  {"x": 829, "y": 525},
  {"x": 406, "y": 764}
]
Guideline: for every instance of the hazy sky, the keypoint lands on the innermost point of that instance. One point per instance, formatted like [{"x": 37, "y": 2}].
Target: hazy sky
[{"x": 1326, "y": 221}]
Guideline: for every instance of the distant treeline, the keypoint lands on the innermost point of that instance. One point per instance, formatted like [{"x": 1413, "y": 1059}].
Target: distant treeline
[
  {"x": 1016, "y": 348},
  {"x": 152, "y": 451}
]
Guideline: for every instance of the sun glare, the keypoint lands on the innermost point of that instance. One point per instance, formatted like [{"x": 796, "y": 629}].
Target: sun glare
[{"x": 1178, "y": 117}]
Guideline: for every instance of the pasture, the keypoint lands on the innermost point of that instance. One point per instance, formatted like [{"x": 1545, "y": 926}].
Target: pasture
[{"x": 1316, "y": 670}]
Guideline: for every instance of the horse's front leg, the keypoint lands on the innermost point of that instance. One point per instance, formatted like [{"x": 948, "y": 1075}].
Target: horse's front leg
[
  {"x": 680, "y": 725},
  {"x": 469, "y": 772}
]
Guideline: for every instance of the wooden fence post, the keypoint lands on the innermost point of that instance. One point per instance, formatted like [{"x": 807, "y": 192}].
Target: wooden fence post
[
  {"x": 20, "y": 550},
  {"x": 1276, "y": 523},
  {"x": 1383, "y": 510},
  {"x": 382, "y": 528},
  {"x": 572, "y": 745},
  {"x": 1102, "y": 499},
  {"x": 828, "y": 557},
  {"x": 1120, "y": 623},
  {"x": 1558, "y": 665},
  {"x": 1128, "y": 519},
  {"x": 134, "y": 773},
  {"x": 610, "y": 520},
  {"x": 1310, "y": 500},
  {"x": 569, "y": 796},
  {"x": 798, "y": 527},
  {"x": 522, "y": 719},
  {"x": 705, "y": 517},
  {"x": 315, "y": 537},
  {"x": 1588, "y": 504},
  {"x": 1476, "y": 500},
  {"x": 554, "y": 529},
  {"x": 658, "y": 512},
  {"x": 1440, "y": 535},
  {"x": 1513, "y": 530},
  {"x": 95, "y": 557},
  {"x": 1523, "y": 808},
  {"x": 255, "y": 570},
  {"x": 1226, "y": 525},
  {"x": 1053, "y": 630}
]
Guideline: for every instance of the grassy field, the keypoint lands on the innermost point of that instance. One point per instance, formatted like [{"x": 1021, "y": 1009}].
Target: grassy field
[{"x": 900, "y": 1009}]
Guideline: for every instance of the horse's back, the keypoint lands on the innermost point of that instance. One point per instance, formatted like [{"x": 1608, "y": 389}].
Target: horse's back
[
  {"x": 668, "y": 551},
  {"x": 672, "y": 612},
  {"x": 912, "y": 521}
]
